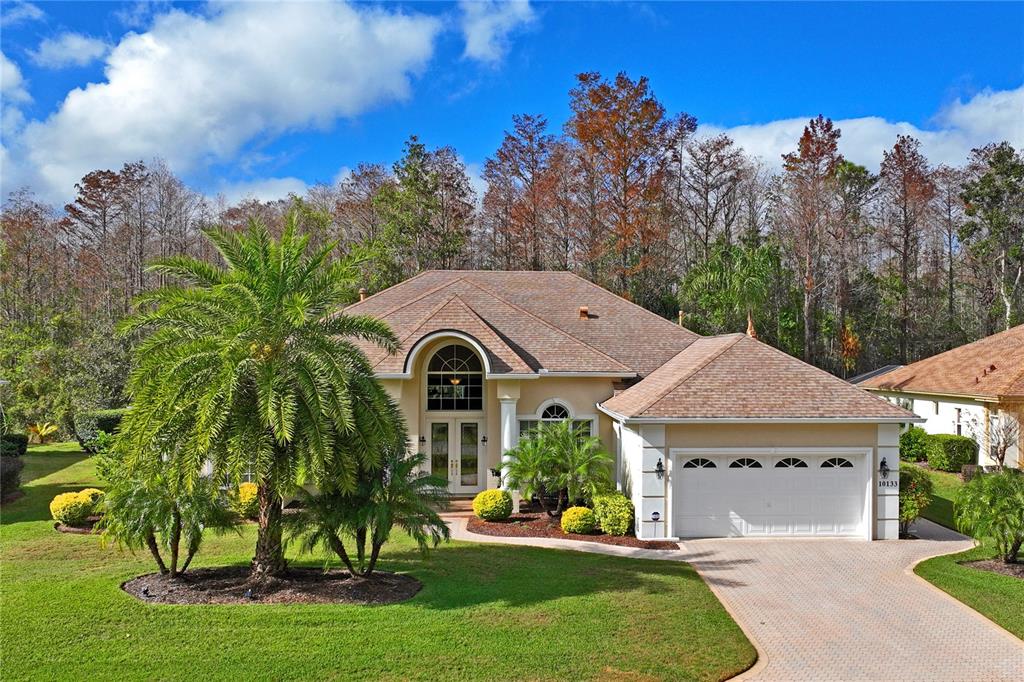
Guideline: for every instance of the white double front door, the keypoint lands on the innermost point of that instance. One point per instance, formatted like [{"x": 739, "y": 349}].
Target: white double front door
[{"x": 456, "y": 453}]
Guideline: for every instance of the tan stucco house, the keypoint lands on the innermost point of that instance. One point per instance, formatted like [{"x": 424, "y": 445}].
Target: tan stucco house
[
  {"x": 974, "y": 390},
  {"x": 712, "y": 436}
]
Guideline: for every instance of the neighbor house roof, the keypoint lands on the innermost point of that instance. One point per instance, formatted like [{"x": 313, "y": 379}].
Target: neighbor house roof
[
  {"x": 527, "y": 322},
  {"x": 737, "y": 377},
  {"x": 992, "y": 367}
]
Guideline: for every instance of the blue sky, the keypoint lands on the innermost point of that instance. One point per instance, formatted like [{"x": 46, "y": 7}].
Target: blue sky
[{"x": 262, "y": 98}]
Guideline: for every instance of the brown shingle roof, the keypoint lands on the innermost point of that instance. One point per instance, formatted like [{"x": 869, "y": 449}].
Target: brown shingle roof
[
  {"x": 737, "y": 377},
  {"x": 992, "y": 367},
  {"x": 527, "y": 319}
]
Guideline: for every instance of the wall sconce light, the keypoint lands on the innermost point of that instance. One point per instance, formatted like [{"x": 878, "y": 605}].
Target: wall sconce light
[
  {"x": 883, "y": 468},
  {"x": 423, "y": 440},
  {"x": 484, "y": 440},
  {"x": 655, "y": 516},
  {"x": 659, "y": 469}
]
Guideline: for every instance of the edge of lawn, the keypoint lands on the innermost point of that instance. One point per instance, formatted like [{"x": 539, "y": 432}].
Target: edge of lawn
[{"x": 996, "y": 597}]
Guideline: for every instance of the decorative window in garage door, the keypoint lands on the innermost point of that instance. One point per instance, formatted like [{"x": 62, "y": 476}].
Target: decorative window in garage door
[
  {"x": 699, "y": 463},
  {"x": 791, "y": 463},
  {"x": 745, "y": 463},
  {"x": 837, "y": 463}
]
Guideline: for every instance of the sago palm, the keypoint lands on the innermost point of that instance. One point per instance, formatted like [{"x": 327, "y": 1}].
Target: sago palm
[{"x": 250, "y": 367}]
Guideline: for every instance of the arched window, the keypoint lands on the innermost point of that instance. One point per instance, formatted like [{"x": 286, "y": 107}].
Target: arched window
[
  {"x": 699, "y": 463},
  {"x": 554, "y": 411},
  {"x": 744, "y": 463},
  {"x": 791, "y": 463},
  {"x": 455, "y": 380},
  {"x": 837, "y": 463}
]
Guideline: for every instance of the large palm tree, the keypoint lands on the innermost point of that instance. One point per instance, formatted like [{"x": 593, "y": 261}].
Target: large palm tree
[{"x": 251, "y": 367}]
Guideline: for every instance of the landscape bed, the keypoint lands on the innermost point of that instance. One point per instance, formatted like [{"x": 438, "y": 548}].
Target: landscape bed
[{"x": 540, "y": 525}]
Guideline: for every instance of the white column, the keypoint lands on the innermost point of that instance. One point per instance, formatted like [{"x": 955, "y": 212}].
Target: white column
[
  {"x": 887, "y": 489},
  {"x": 509, "y": 433}
]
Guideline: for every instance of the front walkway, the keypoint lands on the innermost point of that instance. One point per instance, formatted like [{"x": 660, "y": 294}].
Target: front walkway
[{"x": 820, "y": 609}]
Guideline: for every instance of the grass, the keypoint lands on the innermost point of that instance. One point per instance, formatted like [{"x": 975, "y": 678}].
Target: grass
[
  {"x": 998, "y": 597},
  {"x": 485, "y": 612}
]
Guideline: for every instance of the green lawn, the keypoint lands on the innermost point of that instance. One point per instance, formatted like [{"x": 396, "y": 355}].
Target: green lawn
[
  {"x": 485, "y": 612},
  {"x": 998, "y": 597}
]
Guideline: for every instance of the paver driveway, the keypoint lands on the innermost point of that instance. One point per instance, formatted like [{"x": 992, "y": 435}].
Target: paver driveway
[{"x": 823, "y": 609}]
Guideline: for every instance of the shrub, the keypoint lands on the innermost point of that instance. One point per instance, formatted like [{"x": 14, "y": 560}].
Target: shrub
[
  {"x": 19, "y": 442},
  {"x": 915, "y": 494},
  {"x": 947, "y": 452},
  {"x": 109, "y": 461},
  {"x": 914, "y": 444},
  {"x": 88, "y": 423},
  {"x": 614, "y": 513},
  {"x": 71, "y": 509},
  {"x": 10, "y": 475},
  {"x": 492, "y": 505},
  {"x": 245, "y": 501},
  {"x": 992, "y": 505},
  {"x": 578, "y": 520},
  {"x": 95, "y": 496}
]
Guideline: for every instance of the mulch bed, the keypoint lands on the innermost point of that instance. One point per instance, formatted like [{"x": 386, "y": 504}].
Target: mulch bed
[
  {"x": 995, "y": 566},
  {"x": 229, "y": 584},
  {"x": 544, "y": 526},
  {"x": 88, "y": 528}
]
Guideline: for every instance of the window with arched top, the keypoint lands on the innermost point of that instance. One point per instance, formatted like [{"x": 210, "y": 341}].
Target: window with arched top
[
  {"x": 554, "y": 411},
  {"x": 699, "y": 463},
  {"x": 745, "y": 463},
  {"x": 837, "y": 463},
  {"x": 455, "y": 380},
  {"x": 791, "y": 463}
]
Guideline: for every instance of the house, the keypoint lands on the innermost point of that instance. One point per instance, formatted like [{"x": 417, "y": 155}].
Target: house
[
  {"x": 974, "y": 390},
  {"x": 715, "y": 436}
]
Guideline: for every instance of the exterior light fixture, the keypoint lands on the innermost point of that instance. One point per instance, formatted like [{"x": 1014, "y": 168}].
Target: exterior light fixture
[
  {"x": 655, "y": 516},
  {"x": 423, "y": 440},
  {"x": 484, "y": 440},
  {"x": 659, "y": 469},
  {"x": 883, "y": 468}
]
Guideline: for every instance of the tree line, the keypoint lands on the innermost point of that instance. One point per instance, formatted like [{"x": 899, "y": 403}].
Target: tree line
[{"x": 844, "y": 267}]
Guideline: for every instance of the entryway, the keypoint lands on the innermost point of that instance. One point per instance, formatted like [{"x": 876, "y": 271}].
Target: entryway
[{"x": 456, "y": 450}]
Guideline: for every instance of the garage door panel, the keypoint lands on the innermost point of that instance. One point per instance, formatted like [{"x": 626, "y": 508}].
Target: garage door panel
[{"x": 796, "y": 498}]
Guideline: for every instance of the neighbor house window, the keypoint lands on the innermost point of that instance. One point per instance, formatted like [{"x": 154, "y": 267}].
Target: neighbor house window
[
  {"x": 556, "y": 412},
  {"x": 455, "y": 380}
]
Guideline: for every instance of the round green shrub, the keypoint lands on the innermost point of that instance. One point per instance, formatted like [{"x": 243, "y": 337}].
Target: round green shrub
[
  {"x": 13, "y": 444},
  {"x": 915, "y": 494},
  {"x": 95, "y": 496},
  {"x": 245, "y": 501},
  {"x": 493, "y": 505},
  {"x": 614, "y": 513},
  {"x": 947, "y": 452},
  {"x": 10, "y": 475},
  {"x": 71, "y": 509},
  {"x": 914, "y": 444},
  {"x": 578, "y": 520}
]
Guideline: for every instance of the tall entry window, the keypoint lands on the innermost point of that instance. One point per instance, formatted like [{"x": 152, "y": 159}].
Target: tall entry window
[{"x": 455, "y": 380}]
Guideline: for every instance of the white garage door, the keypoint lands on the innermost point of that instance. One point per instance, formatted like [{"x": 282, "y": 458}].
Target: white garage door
[{"x": 758, "y": 495}]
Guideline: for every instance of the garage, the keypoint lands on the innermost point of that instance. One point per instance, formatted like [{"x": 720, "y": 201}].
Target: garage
[{"x": 754, "y": 493}]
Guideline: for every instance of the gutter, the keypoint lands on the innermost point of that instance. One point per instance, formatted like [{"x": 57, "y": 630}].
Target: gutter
[{"x": 624, "y": 419}]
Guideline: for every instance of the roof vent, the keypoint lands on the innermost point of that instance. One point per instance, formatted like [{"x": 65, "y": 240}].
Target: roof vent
[
  {"x": 362, "y": 293},
  {"x": 584, "y": 312}
]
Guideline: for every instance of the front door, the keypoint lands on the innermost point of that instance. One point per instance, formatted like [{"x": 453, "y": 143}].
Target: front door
[{"x": 455, "y": 453}]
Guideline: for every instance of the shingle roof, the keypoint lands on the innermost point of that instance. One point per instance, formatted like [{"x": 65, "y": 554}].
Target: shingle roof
[
  {"x": 735, "y": 376},
  {"x": 991, "y": 367},
  {"x": 526, "y": 320}
]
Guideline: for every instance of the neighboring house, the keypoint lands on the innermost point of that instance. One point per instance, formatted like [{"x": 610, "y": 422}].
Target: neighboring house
[
  {"x": 972, "y": 390},
  {"x": 712, "y": 436}
]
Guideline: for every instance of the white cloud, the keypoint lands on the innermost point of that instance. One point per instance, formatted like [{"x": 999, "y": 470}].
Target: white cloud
[
  {"x": 18, "y": 12},
  {"x": 262, "y": 189},
  {"x": 487, "y": 24},
  {"x": 68, "y": 49},
  {"x": 12, "y": 84},
  {"x": 196, "y": 89},
  {"x": 989, "y": 116}
]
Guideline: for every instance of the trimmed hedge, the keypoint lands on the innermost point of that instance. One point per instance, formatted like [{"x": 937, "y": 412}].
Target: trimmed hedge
[
  {"x": 915, "y": 494},
  {"x": 614, "y": 513},
  {"x": 578, "y": 520},
  {"x": 493, "y": 505},
  {"x": 914, "y": 444},
  {"x": 948, "y": 452},
  {"x": 72, "y": 509},
  {"x": 245, "y": 501},
  {"x": 10, "y": 475},
  {"x": 89, "y": 422},
  {"x": 13, "y": 445}
]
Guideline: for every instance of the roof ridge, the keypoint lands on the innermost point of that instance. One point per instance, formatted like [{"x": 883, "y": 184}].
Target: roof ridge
[
  {"x": 410, "y": 301},
  {"x": 647, "y": 405},
  {"x": 426, "y": 318},
  {"x": 378, "y": 293},
  {"x": 635, "y": 305},
  {"x": 546, "y": 323}
]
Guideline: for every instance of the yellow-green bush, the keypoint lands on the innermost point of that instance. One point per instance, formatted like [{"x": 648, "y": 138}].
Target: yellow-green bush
[
  {"x": 71, "y": 509},
  {"x": 614, "y": 513},
  {"x": 245, "y": 501},
  {"x": 578, "y": 520},
  {"x": 95, "y": 496},
  {"x": 492, "y": 505}
]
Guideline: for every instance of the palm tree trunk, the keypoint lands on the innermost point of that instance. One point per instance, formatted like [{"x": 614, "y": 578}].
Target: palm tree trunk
[
  {"x": 338, "y": 547},
  {"x": 375, "y": 552},
  {"x": 269, "y": 560},
  {"x": 361, "y": 544},
  {"x": 188, "y": 560},
  {"x": 175, "y": 541},
  {"x": 154, "y": 549}
]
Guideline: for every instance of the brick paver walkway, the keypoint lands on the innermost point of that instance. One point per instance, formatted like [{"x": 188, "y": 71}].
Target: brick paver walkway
[{"x": 820, "y": 609}]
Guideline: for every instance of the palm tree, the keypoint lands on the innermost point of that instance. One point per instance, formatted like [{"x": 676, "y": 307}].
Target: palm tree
[
  {"x": 738, "y": 276},
  {"x": 531, "y": 469},
  {"x": 992, "y": 506},
  {"x": 250, "y": 367}
]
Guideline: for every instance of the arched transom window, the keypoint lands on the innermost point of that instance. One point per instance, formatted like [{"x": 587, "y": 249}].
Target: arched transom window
[
  {"x": 555, "y": 412},
  {"x": 699, "y": 463},
  {"x": 791, "y": 463},
  {"x": 837, "y": 463},
  {"x": 745, "y": 463},
  {"x": 455, "y": 380}
]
